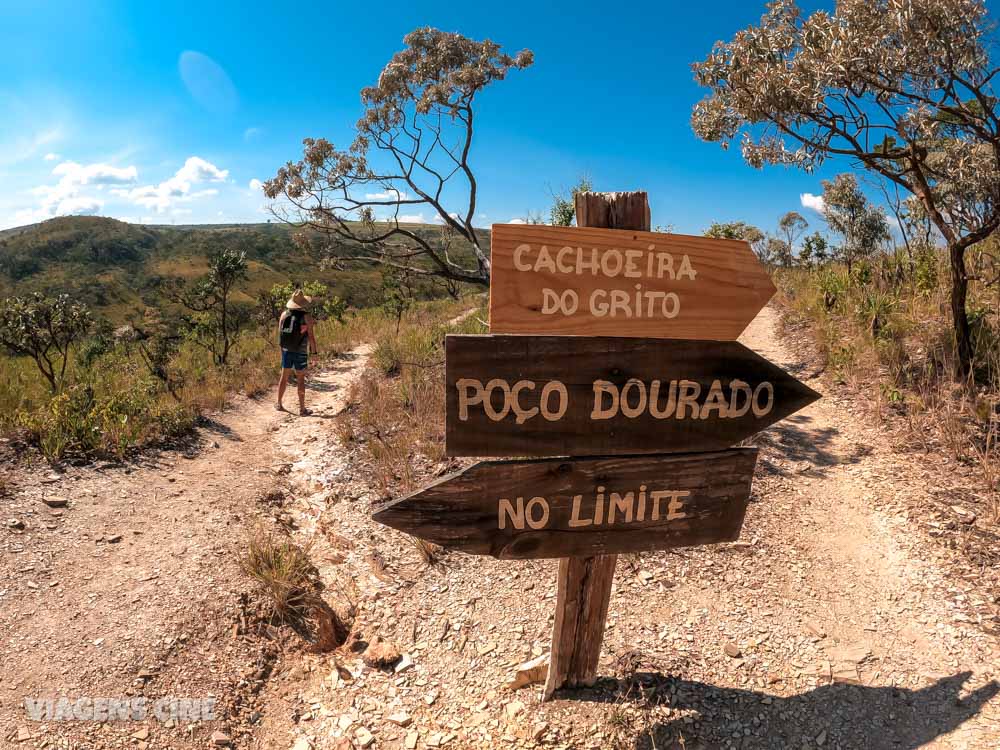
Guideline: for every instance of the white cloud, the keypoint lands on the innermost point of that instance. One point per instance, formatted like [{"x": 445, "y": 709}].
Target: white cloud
[
  {"x": 438, "y": 220},
  {"x": 22, "y": 147},
  {"x": 256, "y": 185},
  {"x": 79, "y": 206},
  {"x": 411, "y": 218},
  {"x": 517, "y": 221},
  {"x": 250, "y": 133},
  {"x": 64, "y": 198},
  {"x": 815, "y": 202},
  {"x": 51, "y": 157},
  {"x": 177, "y": 189},
  {"x": 94, "y": 174},
  {"x": 389, "y": 195}
]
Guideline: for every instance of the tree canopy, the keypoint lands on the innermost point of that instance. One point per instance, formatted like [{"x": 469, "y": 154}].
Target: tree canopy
[
  {"x": 411, "y": 152},
  {"x": 903, "y": 88}
]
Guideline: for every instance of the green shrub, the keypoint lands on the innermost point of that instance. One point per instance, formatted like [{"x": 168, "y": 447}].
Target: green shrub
[
  {"x": 874, "y": 309},
  {"x": 833, "y": 286},
  {"x": 925, "y": 271}
]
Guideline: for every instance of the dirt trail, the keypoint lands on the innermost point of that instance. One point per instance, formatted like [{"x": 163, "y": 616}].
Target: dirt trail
[
  {"x": 133, "y": 590},
  {"x": 830, "y": 624}
]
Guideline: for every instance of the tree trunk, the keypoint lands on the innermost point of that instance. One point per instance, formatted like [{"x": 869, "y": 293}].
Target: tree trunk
[
  {"x": 959, "y": 315},
  {"x": 225, "y": 328}
]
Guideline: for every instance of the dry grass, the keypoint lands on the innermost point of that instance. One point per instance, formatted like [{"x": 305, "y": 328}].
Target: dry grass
[
  {"x": 429, "y": 553},
  {"x": 284, "y": 572},
  {"x": 290, "y": 582},
  {"x": 343, "y": 426},
  {"x": 891, "y": 343},
  {"x": 396, "y": 413}
]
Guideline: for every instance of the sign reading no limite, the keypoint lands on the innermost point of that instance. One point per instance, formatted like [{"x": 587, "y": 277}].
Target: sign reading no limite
[
  {"x": 581, "y": 506},
  {"x": 607, "y": 282}
]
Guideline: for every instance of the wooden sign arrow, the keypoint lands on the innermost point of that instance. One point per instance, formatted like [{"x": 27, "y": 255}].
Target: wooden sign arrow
[
  {"x": 581, "y": 396},
  {"x": 581, "y": 506},
  {"x": 613, "y": 282}
]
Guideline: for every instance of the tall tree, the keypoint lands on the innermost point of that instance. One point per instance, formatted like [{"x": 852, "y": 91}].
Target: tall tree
[
  {"x": 217, "y": 321},
  {"x": 861, "y": 225},
  {"x": 902, "y": 88},
  {"x": 739, "y": 230},
  {"x": 411, "y": 153},
  {"x": 791, "y": 226},
  {"x": 815, "y": 250},
  {"x": 44, "y": 329}
]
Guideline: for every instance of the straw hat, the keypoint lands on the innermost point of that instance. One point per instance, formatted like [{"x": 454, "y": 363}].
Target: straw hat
[{"x": 299, "y": 301}]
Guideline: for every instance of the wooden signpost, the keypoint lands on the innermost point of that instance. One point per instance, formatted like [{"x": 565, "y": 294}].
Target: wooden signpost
[
  {"x": 612, "y": 381},
  {"x": 582, "y": 396}
]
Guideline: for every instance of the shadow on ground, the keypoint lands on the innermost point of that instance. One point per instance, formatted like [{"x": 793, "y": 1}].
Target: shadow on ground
[
  {"x": 831, "y": 716},
  {"x": 795, "y": 439}
]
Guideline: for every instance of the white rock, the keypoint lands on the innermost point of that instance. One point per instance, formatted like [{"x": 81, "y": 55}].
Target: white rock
[{"x": 530, "y": 672}]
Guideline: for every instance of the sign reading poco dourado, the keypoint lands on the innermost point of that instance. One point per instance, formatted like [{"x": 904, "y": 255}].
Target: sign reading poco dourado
[{"x": 589, "y": 396}]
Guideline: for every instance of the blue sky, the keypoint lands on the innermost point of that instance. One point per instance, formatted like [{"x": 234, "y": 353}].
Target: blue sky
[{"x": 166, "y": 112}]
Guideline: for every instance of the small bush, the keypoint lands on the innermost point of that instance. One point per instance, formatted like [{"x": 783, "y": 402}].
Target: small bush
[
  {"x": 290, "y": 582},
  {"x": 284, "y": 572}
]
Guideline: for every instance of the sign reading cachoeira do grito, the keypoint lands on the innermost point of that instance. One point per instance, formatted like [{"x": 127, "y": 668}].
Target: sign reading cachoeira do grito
[
  {"x": 624, "y": 388},
  {"x": 606, "y": 282}
]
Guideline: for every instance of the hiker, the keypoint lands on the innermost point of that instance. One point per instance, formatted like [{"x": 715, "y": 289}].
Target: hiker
[{"x": 298, "y": 341}]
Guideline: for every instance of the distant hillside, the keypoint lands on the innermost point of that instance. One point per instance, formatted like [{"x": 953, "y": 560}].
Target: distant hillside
[{"x": 119, "y": 269}]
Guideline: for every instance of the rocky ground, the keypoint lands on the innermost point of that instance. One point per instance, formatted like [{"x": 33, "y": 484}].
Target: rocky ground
[
  {"x": 836, "y": 621},
  {"x": 847, "y": 616},
  {"x": 123, "y": 582}
]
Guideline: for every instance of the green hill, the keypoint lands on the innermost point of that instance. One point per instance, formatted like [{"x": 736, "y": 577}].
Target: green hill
[{"x": 119, "y": 269}]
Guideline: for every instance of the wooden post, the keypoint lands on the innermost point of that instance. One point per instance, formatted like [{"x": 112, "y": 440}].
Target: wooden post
[{"x": 584, "y": 585}]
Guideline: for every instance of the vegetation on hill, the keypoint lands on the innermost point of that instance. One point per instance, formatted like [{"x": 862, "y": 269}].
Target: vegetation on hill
[
  {"x": 113, "y": 336},
  {"x": 119, "y": 269},
  {"x": 878, "y": 309}
]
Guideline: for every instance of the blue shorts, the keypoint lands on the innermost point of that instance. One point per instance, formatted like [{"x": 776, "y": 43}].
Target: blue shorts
[{"x": 294, "y": 360}]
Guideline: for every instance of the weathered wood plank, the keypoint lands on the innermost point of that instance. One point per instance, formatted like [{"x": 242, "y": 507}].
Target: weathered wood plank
[
  {"x": 564, "y": 395},
  {"x": 583, "y": 594},
  {"x": 611, "y": 282},
  {"x": 581, "y": 506},
  {"x": 627, "y": 209}
]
